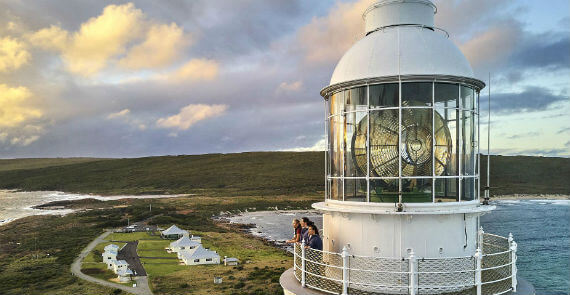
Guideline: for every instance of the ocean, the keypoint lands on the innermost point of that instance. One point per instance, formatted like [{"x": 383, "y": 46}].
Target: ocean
[
  {"x": 14, "y": 205},
  {"x": 540, "y": 227}
]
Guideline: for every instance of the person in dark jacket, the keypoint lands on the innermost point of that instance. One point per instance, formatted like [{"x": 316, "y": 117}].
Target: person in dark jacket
[
  {"x": 305, "y": 222},
  {"x": 314, "y": 241}
]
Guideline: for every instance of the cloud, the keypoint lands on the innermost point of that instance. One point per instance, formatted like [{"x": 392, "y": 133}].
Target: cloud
[
  {"x": 492, "y": 46},
  {"x": 563, "y": 130},
  {"x": 15, "y": 108},
  {"x": 162, "y": 46},
  {"x": 119, "y": 114},
  {"x": 529, "y": 100},
  {"x": 319, "y": 146},
  {"x": 325, "y": 39},
  {"x": 292, "y": 86},
  {"x": 524, "y": 135},
  {"x": 190, "y": 115},
  {"x": 99, "y": 39},
  {"x": 196, "y": 69},
  {"x": 12, "y": 54},
  {"x": 52, "y": 38}
]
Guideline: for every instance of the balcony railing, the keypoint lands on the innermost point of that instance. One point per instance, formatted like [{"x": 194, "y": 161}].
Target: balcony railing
[{"x": 492, "y": 270}]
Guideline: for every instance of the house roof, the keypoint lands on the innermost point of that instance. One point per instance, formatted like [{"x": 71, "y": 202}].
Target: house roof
[
  {"x": 198, "y": 253},
  {"x": 184, "y": 242},
  {"x": 111, "y": 247},
  {"x": 125, "y": 272},
  {"x": 174, "y": 230},
  {"x": 121, "y": 262}
]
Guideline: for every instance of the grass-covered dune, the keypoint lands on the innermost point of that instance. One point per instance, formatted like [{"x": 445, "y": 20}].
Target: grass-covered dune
[{"x": 254, "y": 173}]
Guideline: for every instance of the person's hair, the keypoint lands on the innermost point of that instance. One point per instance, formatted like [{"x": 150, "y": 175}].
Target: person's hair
[
  {"x": 306, "y": 220},
  {"x": 314, "y": 227},
  {"x": 309, "y": 223},
  {"x": 296, "y": 221}
]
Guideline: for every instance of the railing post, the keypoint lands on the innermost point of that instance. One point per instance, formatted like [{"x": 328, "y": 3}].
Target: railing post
[
  {"x": 345, "y": 279},
  {"x": 513, "y": 248},
  {"x": 480, "y": 233},
  {"x": 303, "y": 264},
  {"x": 413, "y": 265},
  {"x": 478, "y": 258}
]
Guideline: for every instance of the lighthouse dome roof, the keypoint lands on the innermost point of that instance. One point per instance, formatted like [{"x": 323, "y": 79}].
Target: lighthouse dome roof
[{"x": 401, "y": 40}]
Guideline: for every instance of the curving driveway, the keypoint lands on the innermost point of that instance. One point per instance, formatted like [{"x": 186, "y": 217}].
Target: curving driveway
[{"x": 142, "y": 282}]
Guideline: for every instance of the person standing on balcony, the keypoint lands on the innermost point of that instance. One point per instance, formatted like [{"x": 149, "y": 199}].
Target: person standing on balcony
[
  {"x": 305, "y": 222},
  {"x": 315, "y": 241},
  {"x": 296, "y": 231}
]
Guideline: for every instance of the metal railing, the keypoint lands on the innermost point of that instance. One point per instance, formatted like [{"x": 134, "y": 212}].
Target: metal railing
[{"x": 491, "y": 270}]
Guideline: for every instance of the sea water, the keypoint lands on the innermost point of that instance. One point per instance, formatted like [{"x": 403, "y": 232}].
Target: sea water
[
  {"x": 540, "y": 227},
  {"x": 14, "y": 205}
]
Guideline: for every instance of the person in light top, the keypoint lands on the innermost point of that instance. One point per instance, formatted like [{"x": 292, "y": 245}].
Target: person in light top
[
  {"x": 315, "y": 241},
  {"x": 296, "y": 231}
]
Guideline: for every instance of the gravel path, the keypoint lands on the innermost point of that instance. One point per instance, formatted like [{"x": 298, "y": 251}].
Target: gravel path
[{"x": 142, "y": 282}]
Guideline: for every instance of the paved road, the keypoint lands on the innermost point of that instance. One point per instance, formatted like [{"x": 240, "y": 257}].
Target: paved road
[
  {"x": 129, "y": 253},
  {"x": 142, "y": 282}
]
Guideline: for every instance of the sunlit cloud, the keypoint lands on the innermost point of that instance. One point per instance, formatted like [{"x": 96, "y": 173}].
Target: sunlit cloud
[
  {"x": 12, "y": 54},
  {"x": 119, "y": 114},
  {"x": 195, "y": 69},
  {"x": 190, "y": 115},
  {"x": 15, "y": 107},
  {"x": 163, "y": 45},
  {"x": 291, "y": 86},
  {"x": 325, "y": 39}
]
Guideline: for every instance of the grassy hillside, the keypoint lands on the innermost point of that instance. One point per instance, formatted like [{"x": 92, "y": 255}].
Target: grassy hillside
[{"x": 256, "y": 173}]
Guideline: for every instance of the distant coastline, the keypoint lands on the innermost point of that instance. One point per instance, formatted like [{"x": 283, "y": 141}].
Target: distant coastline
[{"x": 532, "y": 197}]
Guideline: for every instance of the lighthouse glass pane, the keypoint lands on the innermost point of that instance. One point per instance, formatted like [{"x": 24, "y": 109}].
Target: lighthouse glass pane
[
  {"x": 445, "y": 136},
  {"x": 336, "y": 145},
  {"x": 468, "y": 189},
  {"x": 417, "y": 142},
  {"x": 446, "y": 190},
  {"x": 417, "y": 190},
  {"x": 355, "y": 144},
  {"x": 384, "y": 190},
  {"x": 384, "y": 95},
  {"x": 336, "y": 189},
  {"x": 355, "y": 190},
  {"x": 355, "y": 99},
  {"x": 467, "y": 98},
  {"x": 337, "y": 103},
  {"x": 446, "y": 95},
  {"x": 383, "y": 143},
  {"x": 416, "y": 94},
  {"x": 468, "y": 153}
]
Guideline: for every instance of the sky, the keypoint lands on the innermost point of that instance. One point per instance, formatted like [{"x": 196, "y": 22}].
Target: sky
[{"x": 146, "y": 78}]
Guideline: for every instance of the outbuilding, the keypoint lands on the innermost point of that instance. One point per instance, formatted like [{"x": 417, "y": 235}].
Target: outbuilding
[
  {"x": 173, "y": 233},
  {"x": 199, "y": 255}
]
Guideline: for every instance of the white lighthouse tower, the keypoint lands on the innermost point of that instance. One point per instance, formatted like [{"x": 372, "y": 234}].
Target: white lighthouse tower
[{"x": 401, "y": 209}]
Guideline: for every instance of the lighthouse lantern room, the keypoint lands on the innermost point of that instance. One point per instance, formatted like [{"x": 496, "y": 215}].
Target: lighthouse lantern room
[{"x": 401, "y": 209}]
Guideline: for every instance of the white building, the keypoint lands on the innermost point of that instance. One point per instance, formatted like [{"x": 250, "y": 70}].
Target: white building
[
  {"x": 124, "y": 275},
  {"x": 230, "y": 261},
  {"x": 110, "y": 253},
  {"x": 120, "y": 266},
  {"x": 184, "y": 243},
  {"x": 173, "y": 233},
  {"x": 401, "y": 209},
  {"x": 199, "y": 255}
]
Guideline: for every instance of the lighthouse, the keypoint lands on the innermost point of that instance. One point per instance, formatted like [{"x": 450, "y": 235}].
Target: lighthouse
[{"x": 401, "y": 207}]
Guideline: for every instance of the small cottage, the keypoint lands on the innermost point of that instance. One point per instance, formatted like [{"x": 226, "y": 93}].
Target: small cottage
[
  {"x": 230, "y": 261},
  {"x": 199, "y": 255},
  {"x": 120, "y": 265},
  {"x": 173, "y": 233},
  {"x": 184, "y": 243},
  {"x": 124, "y": 275}
]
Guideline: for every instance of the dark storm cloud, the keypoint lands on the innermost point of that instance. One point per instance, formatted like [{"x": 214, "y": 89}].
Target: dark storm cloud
[
  {"x": 530, "y": 100},
  {"x": 549, "y": 51}
]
